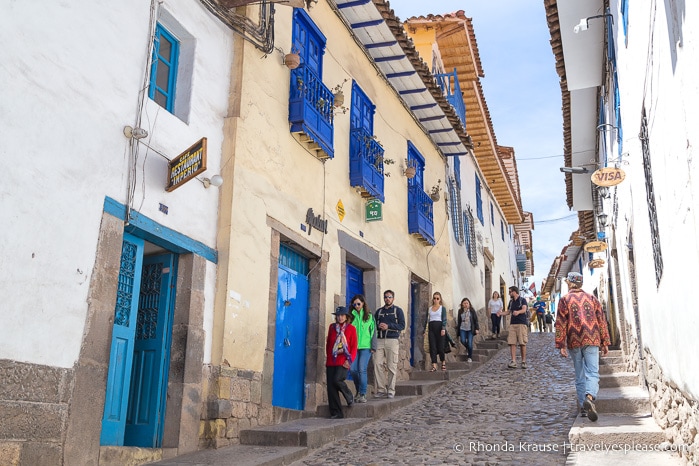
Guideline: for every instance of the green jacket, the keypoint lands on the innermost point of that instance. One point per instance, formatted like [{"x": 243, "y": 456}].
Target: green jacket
[{"x": 366, "y": 331}]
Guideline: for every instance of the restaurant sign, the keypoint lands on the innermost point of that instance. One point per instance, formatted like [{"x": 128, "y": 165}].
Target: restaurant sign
[
  {"x": 595, "y": 246},
  {"x": 187, "y": 165}
]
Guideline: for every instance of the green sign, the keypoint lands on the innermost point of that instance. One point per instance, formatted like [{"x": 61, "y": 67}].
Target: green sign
[{"x": 373, "y": 210}]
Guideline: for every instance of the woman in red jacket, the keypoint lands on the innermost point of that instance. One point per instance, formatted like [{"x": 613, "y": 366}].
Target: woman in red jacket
[{"x": 340, "y": 351}]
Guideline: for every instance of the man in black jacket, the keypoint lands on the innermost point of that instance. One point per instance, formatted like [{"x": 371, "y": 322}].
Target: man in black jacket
[
  {"x": 390, "y": 322},
  {"x": 519, "y": 327}
]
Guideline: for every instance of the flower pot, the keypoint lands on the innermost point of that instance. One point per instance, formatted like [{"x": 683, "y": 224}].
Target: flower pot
[
  {"x": 292, "y": 60},
  {"x": 435, "y": 196},
  {"x": 339, "y": 98},
  {"x": 410, "y": 172}
]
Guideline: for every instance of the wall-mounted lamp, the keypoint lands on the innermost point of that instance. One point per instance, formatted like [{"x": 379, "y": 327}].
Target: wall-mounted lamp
[
  {"x": 215, "y": 180},
  {"x": 575, "y": 170},
  {"x": 583, "y": 24},
  {"x": 603, "y": 192},
  {"x": 604, "y": 126},
  {"x": 135, "y": 133},
  {"x": 602, "y": 219}
]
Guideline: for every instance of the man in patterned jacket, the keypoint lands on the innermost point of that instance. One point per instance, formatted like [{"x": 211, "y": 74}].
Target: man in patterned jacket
[{"x": 581, "y": 330}]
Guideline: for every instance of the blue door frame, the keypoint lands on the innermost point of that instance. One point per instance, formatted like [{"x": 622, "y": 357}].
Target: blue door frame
[{"x": 355, "y": 282}]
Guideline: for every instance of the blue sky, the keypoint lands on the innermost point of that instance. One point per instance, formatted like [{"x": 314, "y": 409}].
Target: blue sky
[{"x": 524, "y": 98}]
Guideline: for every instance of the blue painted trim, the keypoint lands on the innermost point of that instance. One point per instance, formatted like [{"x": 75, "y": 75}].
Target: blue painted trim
[
  {"x": 456, "y": 154},
  {"x": 444, "y": 144},
  {"x": 443, "y": 130},
  {"x": 412, "y": 91},
  {"x": 401, "y": 74},
  {"x": 301, "y": 15},
  {"x": 353, "y": 4},
  {"x": 438, "y": 117},
  {"x": 392, "y": 58},
  {"x": 426, "y": 106},
  {"x": 365, "y": 24},
  {"x": 150, "y": 230},
  {"x": 379, "y": 45}
]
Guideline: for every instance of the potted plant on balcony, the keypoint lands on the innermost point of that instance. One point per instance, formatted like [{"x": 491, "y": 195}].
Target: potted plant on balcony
[
  {"x": 434, "y": 193},
  {"x": 410, "y": 168},
  {"x": 292, "y": 60}
]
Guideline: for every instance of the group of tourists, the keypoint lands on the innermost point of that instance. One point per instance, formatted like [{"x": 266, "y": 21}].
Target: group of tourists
[{"x": 357, "y": 334}]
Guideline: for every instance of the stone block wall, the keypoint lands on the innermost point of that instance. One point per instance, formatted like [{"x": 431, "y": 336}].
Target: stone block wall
[
  {"x": 34, "y": 410},
  {"x": 675, "y": 411}
]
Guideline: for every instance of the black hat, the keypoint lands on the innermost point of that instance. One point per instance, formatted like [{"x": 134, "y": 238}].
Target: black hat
[{"x": 340, "y": 311}]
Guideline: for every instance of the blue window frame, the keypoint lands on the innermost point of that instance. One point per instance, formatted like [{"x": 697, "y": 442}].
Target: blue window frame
[
  {"x": 310, "y": 101},
  {"x": 420, "y": 206},
  {"x": 365, "y": 153},
  {"x": 457, "y": 171},
  {"x": 479, "y": 201},
  {"x": 492, "y": 213},
  {"x": 163, "y": 72},
  {"x": 625, "y": 16}
]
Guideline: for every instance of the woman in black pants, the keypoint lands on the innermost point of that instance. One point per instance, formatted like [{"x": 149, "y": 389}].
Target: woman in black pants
[{"x": 436, "y": 329}]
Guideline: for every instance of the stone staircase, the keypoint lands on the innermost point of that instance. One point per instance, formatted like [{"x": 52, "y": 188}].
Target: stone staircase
[
  {"x": 625, "y": 423},
  {"x": 291, "y": 440}
]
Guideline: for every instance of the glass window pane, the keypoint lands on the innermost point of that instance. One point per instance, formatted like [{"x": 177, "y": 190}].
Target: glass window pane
[{"x": 162, "y": 76}]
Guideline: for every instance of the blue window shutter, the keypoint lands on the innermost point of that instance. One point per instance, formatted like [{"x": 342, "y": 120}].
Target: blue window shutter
[
  {"x": 479, "y": 201},
  {"x": 502, "y": 230},
  {"x": 163, "y": 75},
  {"x": 492, "y": 214},
  {"x": 365, "y": 153},
  {"x": 625, "y": 16},
  {"x": 457, "y": 171}
]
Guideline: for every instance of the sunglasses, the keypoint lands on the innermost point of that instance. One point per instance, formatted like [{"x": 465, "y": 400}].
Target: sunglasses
[
  {"x": 388, "y": 297},
  {"x": 358, "y": 303}
]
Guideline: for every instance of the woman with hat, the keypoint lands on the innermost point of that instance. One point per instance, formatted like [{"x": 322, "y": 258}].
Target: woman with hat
[{"x": 340, "y": 350}]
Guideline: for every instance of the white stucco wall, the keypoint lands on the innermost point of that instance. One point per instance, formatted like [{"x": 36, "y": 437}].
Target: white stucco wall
[
  {"x": 661, "y": 76},
  {"x": 70, "y": 77}
]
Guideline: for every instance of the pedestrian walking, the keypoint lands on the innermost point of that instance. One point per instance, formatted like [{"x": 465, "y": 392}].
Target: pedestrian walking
[
  {"x": 540, "y": 309},
  {"x": 390, "y": 322},
  {"x": 467, "y": 326},
  {"x": 495, "y": 308},
  {"x": 436, "y": 326},
  {"x": 363, "y": 321},
  {"x": 548, "y": 320},
  {"x": 340, "y": 351},
  {"x": 519, "y": 327},
  {"x": 581, "y": 331}
]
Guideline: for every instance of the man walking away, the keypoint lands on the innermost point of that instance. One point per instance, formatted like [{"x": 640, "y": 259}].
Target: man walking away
[
  {"x": 581, "y": 330},
  {"x": 540, "y": 307},
  {"x": 390, "y": 322},
  {"x": 519, "y": 327}
]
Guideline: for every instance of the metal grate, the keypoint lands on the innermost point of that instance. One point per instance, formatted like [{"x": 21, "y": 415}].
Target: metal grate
[
  {"x": 125, "y": 286},
  {"x": 650, "y": 198},
  {"x": 470, "y": 236},
  {"x": 149, "y": 301},
  {"x": 455, "y": 210}
]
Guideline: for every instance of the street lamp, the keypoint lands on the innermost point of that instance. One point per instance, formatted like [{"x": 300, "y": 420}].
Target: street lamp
[
  {"x": 575, "y": 170},
  {"x": 602, "y": 218}
]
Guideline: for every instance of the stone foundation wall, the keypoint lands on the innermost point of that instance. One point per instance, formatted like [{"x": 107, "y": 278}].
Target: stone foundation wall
[
  {"x": 675, "y": 411},
  {"x": 34, "y": 403}
]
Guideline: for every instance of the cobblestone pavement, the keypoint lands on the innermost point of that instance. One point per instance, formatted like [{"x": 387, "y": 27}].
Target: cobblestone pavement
[{"x": 493, "y": 415}]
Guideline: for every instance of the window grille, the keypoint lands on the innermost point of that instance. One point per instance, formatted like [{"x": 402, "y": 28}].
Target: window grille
[
  {"x": 470, "y": 237},
  {"x": 650, "y": 199},
  {"x": 455, "y": 210}
]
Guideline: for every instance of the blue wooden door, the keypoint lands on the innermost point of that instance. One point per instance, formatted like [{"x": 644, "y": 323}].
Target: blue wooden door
[
  {"x": 146, "y": 409},
  {"x": 355, "y": 282},
  {"x": 122, "y": 346},
  {"x": 290, "y": 337},
  {"x": 308, "y": 41}
]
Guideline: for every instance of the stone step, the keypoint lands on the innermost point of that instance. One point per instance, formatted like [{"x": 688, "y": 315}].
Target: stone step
[
  {"x": 623, "y": 400},
  {"x": 490, "y": 344},
  {"x": 475, "y": 358},
  {"x": 607, "y": 360},
  {"x": 462, "y": 365},
  {"x": 618, "y": 379},
  {"x": 617, "y": 429},
  {"x": 624, "y": 458},
  {"x": 240, "y": 455},
  {"x": 439, "y": 375},
  {"x": 489, "y": 352},
  {"x": 311, "y": 432},
  {"x": 373, "y": 408},
  {"x": 614, "y": 354},
  {"x": 611, "y": 368},
  {"x": 418, "y": 387}
]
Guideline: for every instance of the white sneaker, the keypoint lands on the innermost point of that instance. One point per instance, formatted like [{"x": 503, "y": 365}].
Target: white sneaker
[
  {"x": 469, "y": 360},
  {"x": 390, "y": 395}
]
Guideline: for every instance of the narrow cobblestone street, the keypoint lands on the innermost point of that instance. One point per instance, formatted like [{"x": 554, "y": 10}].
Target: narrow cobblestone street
[{"x": 493, "y": 415}]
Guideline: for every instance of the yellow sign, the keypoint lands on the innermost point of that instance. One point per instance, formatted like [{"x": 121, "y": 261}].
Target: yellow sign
[
  {"x": 187, "y": 165},
  {"x": 608, "y": 176},
  {"x": 340, "y": 208},
  {"x": 596, "y": 263},
  {"x": 595, "y": 246}
]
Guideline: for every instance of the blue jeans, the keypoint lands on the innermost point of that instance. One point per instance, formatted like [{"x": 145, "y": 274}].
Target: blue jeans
[
  {"x": 358, "y": 370},
  {"x": 586, "y": 363},
  {"x": 466, "y": 337}
]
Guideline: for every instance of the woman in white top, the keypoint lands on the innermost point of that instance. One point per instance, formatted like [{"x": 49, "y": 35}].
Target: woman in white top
[
  {"x": 436, "y": 328},
  {"x": 495, "y": 308}
]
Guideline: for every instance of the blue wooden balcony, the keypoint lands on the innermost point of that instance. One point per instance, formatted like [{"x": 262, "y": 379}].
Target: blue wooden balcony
[
  {"x": 311, "y": 111},
  {"x": 449, "y": 82},
  {"x": 366, "y": 164},
  {"x": 420, "y": 214}
]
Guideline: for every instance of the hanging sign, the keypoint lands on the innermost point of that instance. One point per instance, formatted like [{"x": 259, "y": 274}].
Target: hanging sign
[
  {"x": 596, "y": 263},
  {"x": 608, "y": 176},
  {"x": 340, "y": 208},
  {"x": 187, "y": 165},
  {"x": 595, "y": 246},
  {"x": 373, "y": 210}
]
